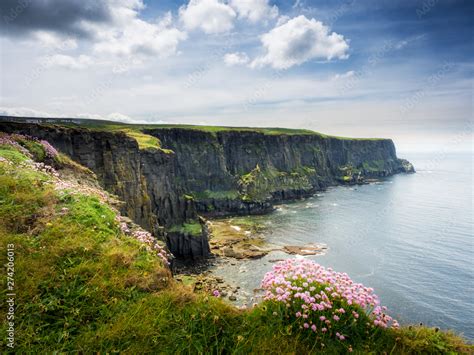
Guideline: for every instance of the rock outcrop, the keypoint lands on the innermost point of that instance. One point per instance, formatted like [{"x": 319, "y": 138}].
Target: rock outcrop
[{"x": 212, "y": 173}]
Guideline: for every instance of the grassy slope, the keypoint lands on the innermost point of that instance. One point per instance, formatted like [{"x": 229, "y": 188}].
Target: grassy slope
[{"x": 83, "y": 286}]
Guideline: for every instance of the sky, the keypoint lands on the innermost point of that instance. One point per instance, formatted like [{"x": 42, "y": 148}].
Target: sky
[{"x": 362, "y": 68}]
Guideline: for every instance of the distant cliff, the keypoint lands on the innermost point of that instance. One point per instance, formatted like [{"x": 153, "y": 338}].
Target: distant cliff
[
  {"x": 244, "y": 172},
  {"x": 211, "y": 171}
]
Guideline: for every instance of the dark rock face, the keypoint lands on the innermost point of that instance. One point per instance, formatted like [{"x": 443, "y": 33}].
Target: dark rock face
[
  {"x": 191, "y": 246},
  {"x": 213, "y": 166},
  {"x": 214, "y": 173}
]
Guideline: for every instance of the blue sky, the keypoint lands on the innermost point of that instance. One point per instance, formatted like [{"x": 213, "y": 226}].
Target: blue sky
[{"x": 399, "y": 69}]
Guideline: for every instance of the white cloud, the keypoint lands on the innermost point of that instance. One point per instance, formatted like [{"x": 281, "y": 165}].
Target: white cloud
[
  {"x": 29, "y": 112},
  {"x": 115, "y": 116},
  {"x": 120, "y": 117},
  {"x": 211, "y": 16},
  {"x": 345, "y": 75},
  {"x": 298, "y": 41},
  {"x": 237, "y": 58},
  {"x": 54, "y": 41},
  {"x": 67, "y": 61},
  {"x": 22, "y": 112},
  {"x": 255, "y": 10},
  {"x": 137, "y": 36},
  {"x": 123, "y": 34}
]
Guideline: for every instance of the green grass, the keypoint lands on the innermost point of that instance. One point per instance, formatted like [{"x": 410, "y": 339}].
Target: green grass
[
  {"x": 259, "y": 184},
  {"x": 82, "y": 286},
  {"x": 12, "y": 154},
  {"x": 144, "y": 140},
  {"x": 193, "y": 229},
  {"x": 217, "y": 195}
]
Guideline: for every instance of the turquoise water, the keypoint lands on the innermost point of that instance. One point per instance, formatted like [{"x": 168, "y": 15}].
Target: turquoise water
[{"x": 409, "y": 237}]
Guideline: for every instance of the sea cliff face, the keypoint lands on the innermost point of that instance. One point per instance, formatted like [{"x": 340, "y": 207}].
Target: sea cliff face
[
  {"x": 242, "y": 172},
  {"x": 213, "y": 173}
]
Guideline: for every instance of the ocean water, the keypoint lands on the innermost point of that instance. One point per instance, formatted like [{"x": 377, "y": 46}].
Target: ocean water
[{"x": 409, "y": 237}]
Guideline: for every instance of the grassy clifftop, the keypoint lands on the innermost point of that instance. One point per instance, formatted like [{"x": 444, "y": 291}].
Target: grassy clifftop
[
  {"x": 84, "y": 282},
  {"x": 147, "y": 141}
]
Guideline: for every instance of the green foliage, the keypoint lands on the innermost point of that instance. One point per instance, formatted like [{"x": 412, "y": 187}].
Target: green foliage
[
  {"x": 35, "y": 148},
  {"x": 13, "y": 155},
  {"x": 25, "y": 195},
  {"x": 73, "y": 268},
  {"x": 144, "y": 140},
  {"x": 259, "y": 184},
  {"x": 89, "y": 212},
  {"x": 193, "y": 229},
  {"x": 217, "y": 195}
]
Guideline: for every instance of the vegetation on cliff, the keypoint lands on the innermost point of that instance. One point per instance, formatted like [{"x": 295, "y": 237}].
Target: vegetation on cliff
[{"x": 86, "y": 281}]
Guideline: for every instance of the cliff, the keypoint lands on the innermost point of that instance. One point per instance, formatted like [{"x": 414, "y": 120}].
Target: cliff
[
  {"x": 190, "y": 171},
  {"x": 245, "y": 172}
]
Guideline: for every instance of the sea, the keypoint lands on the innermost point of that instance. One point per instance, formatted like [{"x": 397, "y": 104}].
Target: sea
[{"x": 410, "y": 237}]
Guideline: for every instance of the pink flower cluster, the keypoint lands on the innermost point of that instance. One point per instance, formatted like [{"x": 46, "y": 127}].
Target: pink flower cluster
[
  {"x": 51, "y": 152},
  {"x": 323, "y": 300},
  {"x": 147, "y": 239},
  {"x": 15, "y": 141},
  {"x": 47, "y": 169}
]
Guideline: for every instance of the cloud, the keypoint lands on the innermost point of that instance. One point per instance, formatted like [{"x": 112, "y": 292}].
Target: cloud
[
  {"x": 237, "y": 58},
  {"x": 211, "y": 16},
  {"x": 62, "y": 16},
  {"x": 345, "y": 75},
  {"x": 66, "y": 61},
  {"x": 255, "y": 10},
  {"x": 141, "y": 37},
  {"x": 300, "y": 40},
  {"x": 54, "y": 41},
  {"x": 22, "y": 112},
  {"x": 115, "y": 116},
  {"x": 113, "y": 27}
]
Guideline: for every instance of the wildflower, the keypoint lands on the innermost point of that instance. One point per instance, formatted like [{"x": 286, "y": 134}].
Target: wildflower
[
  {"x": 306, "y": 325},
  {"x": 295, "y": 282},
  {"x": 313, "y": 328},
  {"x": 216, "y": 293}
]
